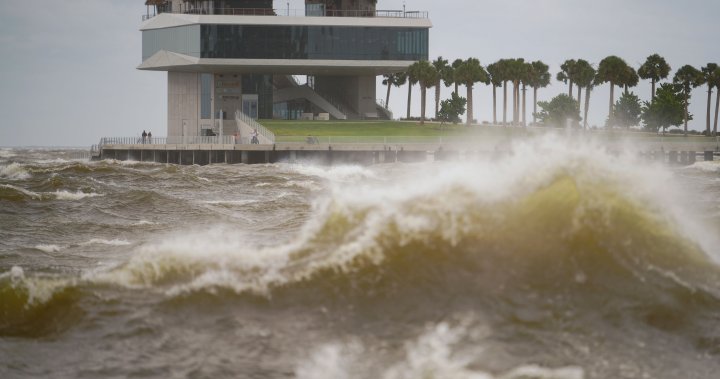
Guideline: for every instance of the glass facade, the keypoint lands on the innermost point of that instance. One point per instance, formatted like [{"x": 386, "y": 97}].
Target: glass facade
[
  {"x": 289, "y": 42},
  {"x": 182, "y": 39},
  {"x": 313, "y": 42}
]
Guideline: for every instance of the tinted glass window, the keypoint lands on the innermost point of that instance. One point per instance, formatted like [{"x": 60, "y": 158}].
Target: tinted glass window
[{"x": 313, "y": 42}]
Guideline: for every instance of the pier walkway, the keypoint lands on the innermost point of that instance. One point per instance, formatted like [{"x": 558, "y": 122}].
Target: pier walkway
[{"x": 374, "y": 150}]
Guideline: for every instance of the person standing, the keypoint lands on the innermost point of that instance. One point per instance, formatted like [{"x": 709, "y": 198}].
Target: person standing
[
  {"x": 144, "y": 135},
  {"x": 149, "y": 136}
]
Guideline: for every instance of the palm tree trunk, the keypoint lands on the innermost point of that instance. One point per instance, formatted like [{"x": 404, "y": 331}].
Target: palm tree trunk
[
  {"x": 708, "y": 108},
  {"x": 579, "y": 98},
  {"x": 409, "y": 98},
  {"x": 437, "y": 98},
  {"x": 717, "y": 105},
  {"x": 612, "y": 96},
  {"x": 423, "y": 93},
  {"x": 456, "y": 88},
  {"x": 534, "y": 105},
  {"x": 686, "y": 111},
  {"x": 387, "y": 97},
  {"x": 652, "y": 95},
  {"x": 469, "y": 104},
  {"x": 494, "y": 105},
  {"x": 505, "y": 103},
  {"x": 524, "y": 112},
  {"x": 587, "y": 106},
  {"x": 516, "y": 87},
  {"x": 626, "y": 89},
  {"x": 570, "y": 88}
]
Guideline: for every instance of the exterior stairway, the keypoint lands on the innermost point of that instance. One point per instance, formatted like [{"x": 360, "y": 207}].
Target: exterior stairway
[
  {"x": 305, "y": 92},
  {"x": 246, "y": 126}
]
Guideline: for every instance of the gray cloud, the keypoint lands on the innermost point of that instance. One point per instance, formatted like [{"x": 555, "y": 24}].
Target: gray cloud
[{"x": 68, "y": 68}]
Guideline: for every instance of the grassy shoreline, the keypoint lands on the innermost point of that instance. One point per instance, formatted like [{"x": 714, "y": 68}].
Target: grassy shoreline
[{"x": 300, "y": 128}]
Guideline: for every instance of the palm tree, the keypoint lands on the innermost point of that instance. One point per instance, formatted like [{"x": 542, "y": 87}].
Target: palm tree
[
  {"x": 539, "y": 78},
  {"x": 688, "y": 77},
  {"x": 567, "y": 74},
  {"x": 496, "y": 79},
  {"x": 504, "y": 67},
  {"x": 584, "y": 75},
  {"x": 655, "y": 68},
  {"x": 441, "y": 66},
  {"x": 527, "y": 77},
  {"x": 469, "y": 73},
  {"x": 614, "y": 70},
  {"x": 427, "y": 77},
  {"x": 631, "y": 79},
  {"x": 455, "y": 65},
  {"x": 411, "y": 80},
  {"x": 390, "y": 80},
  {"x": 584, "y": 78},
  {"x": 716, "y": 81},
  {"x": 516, "y": 72},
  {"x": 708, "y": 73}
]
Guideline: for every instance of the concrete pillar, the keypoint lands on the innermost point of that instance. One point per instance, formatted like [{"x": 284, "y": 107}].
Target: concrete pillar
[
  {"x": 692, "y": 157},
  {"x": 267, "y": 157},
  {"x": 684, "y": 157},
  {"x": 708, "y": 156},
  {"x": 244, "y": 157},
  {"x": 673, "y": 157},
  {"x": 293, "y": 156}
]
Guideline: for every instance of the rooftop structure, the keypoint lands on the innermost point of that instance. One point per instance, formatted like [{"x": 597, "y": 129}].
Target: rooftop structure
[{"x": 229, "y": 56}]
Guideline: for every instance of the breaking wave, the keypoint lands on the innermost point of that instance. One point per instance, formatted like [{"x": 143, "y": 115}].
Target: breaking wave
[
  {"x": 14, "y": 171},
  {"x": 33, "y": 306},
  {"x": 568, "y": 219}
]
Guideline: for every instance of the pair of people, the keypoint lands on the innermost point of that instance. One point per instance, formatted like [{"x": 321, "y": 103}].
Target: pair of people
[
  {"x": 254, "y": 140},
  {"x": 146, "y": 136}
]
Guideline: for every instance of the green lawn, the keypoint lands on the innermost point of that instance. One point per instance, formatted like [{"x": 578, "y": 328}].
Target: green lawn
[
  {"x": 298, "y": 130},
  {"x": 361, "y": 128}
]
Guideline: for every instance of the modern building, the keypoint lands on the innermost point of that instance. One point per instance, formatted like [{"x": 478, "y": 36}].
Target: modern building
[{"x": 224, "y": 56}]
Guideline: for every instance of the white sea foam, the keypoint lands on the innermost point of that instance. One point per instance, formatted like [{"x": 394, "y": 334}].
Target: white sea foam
[
  {"x": 72, "y": 196},
  {"x": 306, "y": 184},
  {"x": 14, "y": 171},
  {"x": 48, "y": 248},
  {"x": 30, "y": 194},
  {"x": 143, "y": 223},
  {"x": 230, "y": 202},
  {"x": 100, "y": 241},
  {"x": 336, "y": 173},
  {"x": 7, "y": 153},
  {"x": 434, "y": 354},
  {"x": 712, "y": 167}
]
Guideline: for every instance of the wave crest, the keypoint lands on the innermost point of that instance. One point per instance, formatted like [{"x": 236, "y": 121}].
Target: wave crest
[{"x": 568, "y": 220}]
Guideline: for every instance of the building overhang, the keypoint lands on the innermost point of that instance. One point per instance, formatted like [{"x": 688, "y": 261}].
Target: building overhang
[
  {"x": 168, "y": 61},
  {"x": 170, "y": 20}
]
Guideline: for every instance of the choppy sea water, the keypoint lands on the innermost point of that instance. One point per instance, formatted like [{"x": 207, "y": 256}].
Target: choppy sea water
[{"x": 559, "y": 261}]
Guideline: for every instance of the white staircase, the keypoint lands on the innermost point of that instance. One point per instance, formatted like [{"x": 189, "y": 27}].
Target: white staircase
[
  {"x": 305, "y": 92},
  {"x": 246, "y": 126}
]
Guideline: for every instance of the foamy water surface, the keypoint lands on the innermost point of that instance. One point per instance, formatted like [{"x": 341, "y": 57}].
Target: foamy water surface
[{"x": 559, "y": 261}]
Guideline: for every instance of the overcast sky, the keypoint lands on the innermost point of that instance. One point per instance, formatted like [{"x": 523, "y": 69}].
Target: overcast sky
[{"x": 68, "y": 77}]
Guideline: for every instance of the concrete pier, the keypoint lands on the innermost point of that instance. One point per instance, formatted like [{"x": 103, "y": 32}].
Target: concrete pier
[{"x": 349, "y": 153}]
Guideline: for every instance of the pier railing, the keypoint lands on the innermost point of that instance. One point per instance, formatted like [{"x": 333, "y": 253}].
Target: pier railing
[
  {"x": 294, "y": 12},
  {"x": 173, "y": 140}
]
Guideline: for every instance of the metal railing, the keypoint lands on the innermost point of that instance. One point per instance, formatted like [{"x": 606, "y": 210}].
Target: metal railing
[
  {"x": 294, "y": 13},
  {"x": 173, "y": 140},
  {"x": 263, "y": 131}
]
